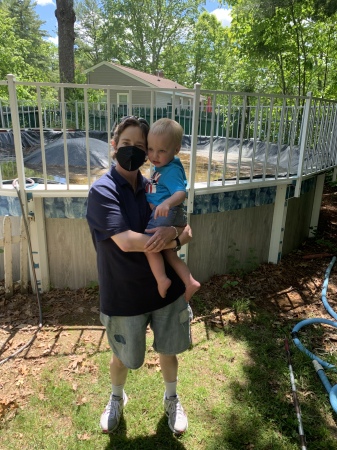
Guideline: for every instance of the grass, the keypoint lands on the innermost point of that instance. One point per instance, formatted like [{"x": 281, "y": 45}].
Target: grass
[{"x": 234, "y": 383}]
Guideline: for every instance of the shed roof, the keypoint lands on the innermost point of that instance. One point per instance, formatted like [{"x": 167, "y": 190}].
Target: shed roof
[{"x": 146, "y": 78}]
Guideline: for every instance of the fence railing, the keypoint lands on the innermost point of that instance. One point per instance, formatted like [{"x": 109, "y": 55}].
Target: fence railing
[
  {"x": 252, "y": 117},
  {"x": 233, "y": 140}
]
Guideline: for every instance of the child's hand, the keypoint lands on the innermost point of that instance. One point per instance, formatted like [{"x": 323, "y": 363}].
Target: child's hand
[{"x": 162, "y": 210}]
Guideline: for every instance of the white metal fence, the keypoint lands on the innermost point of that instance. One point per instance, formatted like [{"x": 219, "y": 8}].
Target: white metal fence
[
  {"x": 233, "y": 141},
  {"x": 241, "y": 138}
]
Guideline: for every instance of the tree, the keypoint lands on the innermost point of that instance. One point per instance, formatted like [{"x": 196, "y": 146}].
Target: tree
[
  {"x": 200, "y": 58},
  {"x": 144, "y": 28},
  {"x": 12, "y": 48},
  {"x": 266, "y": 8},
  {"x": 23, "y": 50},
  {"x": 209, "y": 56},
  {"x": 326, "y": 7},
  {"x": 27, "y": 26},
  {"x": 65, "y": 16},
  {"x": 209, "y": 51},
  {"x": 89, "y": 29},
  {"x": 290, "y": 37}
]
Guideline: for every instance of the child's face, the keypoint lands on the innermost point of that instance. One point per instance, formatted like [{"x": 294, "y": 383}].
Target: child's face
[{"x": 160, "y": 149}]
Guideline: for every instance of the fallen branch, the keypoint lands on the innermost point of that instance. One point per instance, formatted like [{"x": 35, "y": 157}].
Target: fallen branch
[{"x": 317, "y": 255}]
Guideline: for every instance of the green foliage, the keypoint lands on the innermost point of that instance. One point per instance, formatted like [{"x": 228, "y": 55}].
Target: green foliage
[
  {"x": 291, "y": 39},
  {"x": 241, "y": 305},
  {"x": 24, "y": 52},
  {"x": 12, "y": 48},
  {"x": 37, "y": 55},
  {"x": 325, "y": 7},
  {"x": 209, "y": 50},
  {"x": 90, "y": 38},
  {"x": 271, "y": 46},
  {"x": 229, "y": 284},
  {"x": 92, "y": 285},
  {"x": 137, "y": 32}
]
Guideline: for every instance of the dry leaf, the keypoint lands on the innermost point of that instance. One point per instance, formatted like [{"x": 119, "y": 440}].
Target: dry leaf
[
  {"x": 6, "y": 406},
  {"x": 83, "y": 437},
  {"x": 81, "y": 401}
]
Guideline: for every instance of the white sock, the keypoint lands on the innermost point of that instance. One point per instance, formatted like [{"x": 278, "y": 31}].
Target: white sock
[
  {"x": 171, "y": 389},
  {"x": 117, "y": 391}
]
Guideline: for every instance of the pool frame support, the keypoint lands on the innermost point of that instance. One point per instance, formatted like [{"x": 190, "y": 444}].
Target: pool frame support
[
  {"x": 38, "y": 237},
  {"x": 278, "y": 225},
  {"x": 316, "y": 207}
]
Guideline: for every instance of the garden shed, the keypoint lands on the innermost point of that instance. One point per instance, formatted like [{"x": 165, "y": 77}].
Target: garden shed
[{"x": 108, "y": 73}]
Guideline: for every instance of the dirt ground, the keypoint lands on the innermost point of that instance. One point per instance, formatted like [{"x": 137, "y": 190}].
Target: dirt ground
[{"x": 291, "y": 289}]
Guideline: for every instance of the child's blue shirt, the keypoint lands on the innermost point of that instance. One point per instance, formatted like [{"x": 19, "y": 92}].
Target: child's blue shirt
[{"x": 166, "y": 181}]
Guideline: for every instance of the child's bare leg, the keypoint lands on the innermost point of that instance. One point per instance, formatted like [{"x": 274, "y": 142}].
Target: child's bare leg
[
  {"x": 157, "y": 266},
  {"x": 191, "y": 285}
]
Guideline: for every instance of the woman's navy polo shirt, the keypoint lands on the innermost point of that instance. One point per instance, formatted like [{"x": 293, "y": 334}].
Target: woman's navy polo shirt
[{"x": 127, "y": 285}]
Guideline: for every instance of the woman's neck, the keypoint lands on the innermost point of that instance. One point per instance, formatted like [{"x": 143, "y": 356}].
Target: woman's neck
[{"x": 131, "y": 177}]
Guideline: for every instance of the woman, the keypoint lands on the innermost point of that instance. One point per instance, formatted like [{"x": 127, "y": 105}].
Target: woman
[{"x": 117, "y": 215}]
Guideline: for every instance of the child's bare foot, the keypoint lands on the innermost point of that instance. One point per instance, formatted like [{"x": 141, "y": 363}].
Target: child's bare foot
[
  {"x": 163, "y": 286},
  {"x": 191, "y": 289}
]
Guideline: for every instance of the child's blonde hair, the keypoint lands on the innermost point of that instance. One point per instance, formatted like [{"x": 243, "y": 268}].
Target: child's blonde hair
[{"x": 165, "y": 125}]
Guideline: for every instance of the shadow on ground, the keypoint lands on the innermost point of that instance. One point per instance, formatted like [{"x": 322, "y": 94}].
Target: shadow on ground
[
  {"x": 260, "y": 310},
  {"x": 163, "y": 434}
]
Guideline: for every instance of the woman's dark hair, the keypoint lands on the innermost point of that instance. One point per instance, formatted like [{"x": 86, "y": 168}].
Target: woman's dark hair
[{"x": 130, "y": 121}]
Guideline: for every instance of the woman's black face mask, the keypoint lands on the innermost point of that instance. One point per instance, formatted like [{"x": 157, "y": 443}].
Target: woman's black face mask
[{"x": 130, "y": 158}]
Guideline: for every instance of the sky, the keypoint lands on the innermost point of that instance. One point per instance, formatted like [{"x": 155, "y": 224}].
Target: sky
[{"x": 46, "y": 11}]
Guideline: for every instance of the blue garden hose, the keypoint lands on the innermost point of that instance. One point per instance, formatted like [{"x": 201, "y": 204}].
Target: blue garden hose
[{"x": 319, "y": 363}]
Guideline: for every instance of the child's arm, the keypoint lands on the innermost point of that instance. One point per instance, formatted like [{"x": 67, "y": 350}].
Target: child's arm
[{"x": 176, "y": 199}]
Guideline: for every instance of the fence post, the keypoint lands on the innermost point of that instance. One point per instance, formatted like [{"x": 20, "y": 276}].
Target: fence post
[
  {"x": 193, "y": 155},
  {"x": 8, "y": 257},
  {"x": 2, "y": 116},
  {"x": 129, "y": 106},
  {"x": 76, "y": 116},
  {"x": 173, "y": 112},
  {"x": 303, "y": 143},
  {"x": 194, "y": 141},
  {"x": 13, "y": 101},
  {"x": 18, "y": 147}
]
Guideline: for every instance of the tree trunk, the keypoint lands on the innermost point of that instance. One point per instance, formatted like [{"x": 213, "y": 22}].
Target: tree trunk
[{"x": 65, "y": 16}]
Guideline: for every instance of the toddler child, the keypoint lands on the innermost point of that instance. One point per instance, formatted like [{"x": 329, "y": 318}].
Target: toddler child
[{"x": 166, "y": 193}]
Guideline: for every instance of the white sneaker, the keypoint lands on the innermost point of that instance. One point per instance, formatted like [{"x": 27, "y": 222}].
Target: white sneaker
[
  {"x": 113, "y": 413},
  {"x": 177, "y": 419}
]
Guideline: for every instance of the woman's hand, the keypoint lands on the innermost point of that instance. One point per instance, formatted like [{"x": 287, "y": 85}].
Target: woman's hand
[{"x": 163, "y": 238}]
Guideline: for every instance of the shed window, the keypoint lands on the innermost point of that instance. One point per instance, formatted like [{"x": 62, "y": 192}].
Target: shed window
[{"x": 122, "y": 99}]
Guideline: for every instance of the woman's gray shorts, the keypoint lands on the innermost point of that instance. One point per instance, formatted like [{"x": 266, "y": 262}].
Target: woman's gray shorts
[{"x": 170, "y": 326}]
